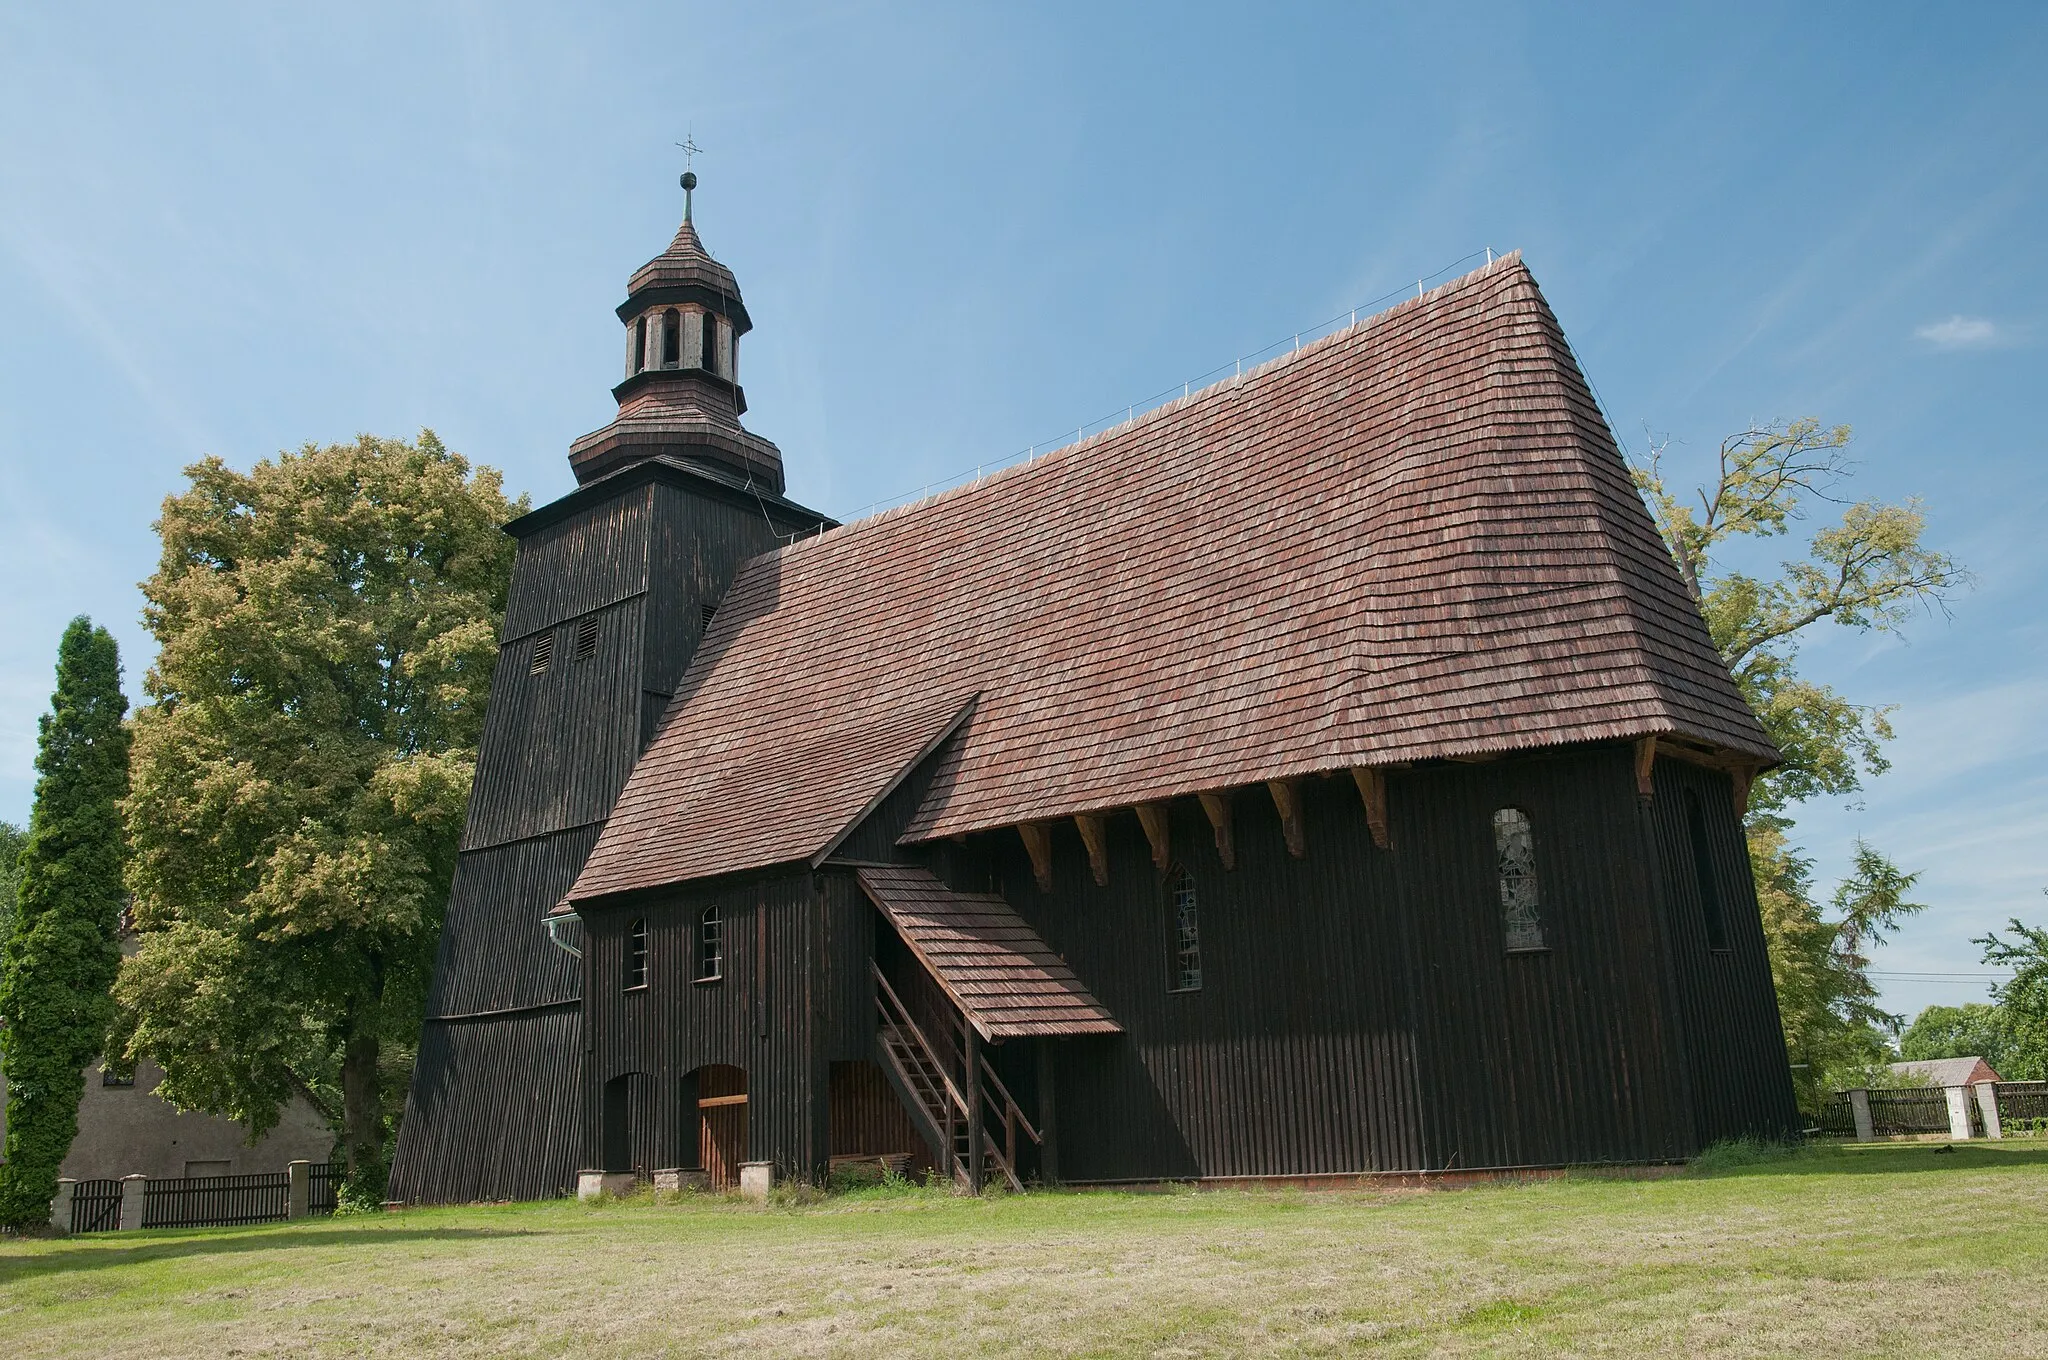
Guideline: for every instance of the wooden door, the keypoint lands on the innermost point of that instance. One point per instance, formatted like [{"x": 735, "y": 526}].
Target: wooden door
[{"x": 723, "y": 1142}]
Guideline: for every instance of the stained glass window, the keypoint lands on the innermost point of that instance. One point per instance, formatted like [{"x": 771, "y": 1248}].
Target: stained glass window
[
  {"x": 1515, "y": 849},
  {"x": 1186, "y": 939}
]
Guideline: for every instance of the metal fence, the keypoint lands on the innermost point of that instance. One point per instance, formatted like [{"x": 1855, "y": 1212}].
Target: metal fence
[
  {"x": 95, "y": 1206},
  {"x": 326, "y": 1187},
  {"x": 216, "y": 1201},
  {"x": 2023, "y": 1106}
]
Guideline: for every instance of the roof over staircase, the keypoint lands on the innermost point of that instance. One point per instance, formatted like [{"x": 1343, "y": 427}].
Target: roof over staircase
[{"x": 1003, "y": 977}]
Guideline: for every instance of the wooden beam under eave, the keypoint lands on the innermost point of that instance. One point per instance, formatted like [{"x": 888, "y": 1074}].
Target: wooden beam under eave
[
  {"x": 1742, "y": 776},
  {"x": 1372, "y": 790},
  {"x": 1152, "y": 816},
  {"x": 1217, "y": 805},
  {"x": 1287, "y": 798},
  {"x": 1098, "y": 853},
  {"x": 1646, "y": 767},
  {"x": 1038, "y": 844}
]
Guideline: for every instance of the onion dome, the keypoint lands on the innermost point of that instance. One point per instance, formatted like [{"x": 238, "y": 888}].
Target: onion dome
[{"x": 681, "y": 397}]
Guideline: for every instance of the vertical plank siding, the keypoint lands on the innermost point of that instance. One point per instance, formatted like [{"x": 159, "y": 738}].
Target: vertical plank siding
[
  {"x": 1359, "y": 1011},
  {"x": 495, "y": 1109},
  {"x": 758, "y": 1017},
  {"x": 1741, "y": 1078}
]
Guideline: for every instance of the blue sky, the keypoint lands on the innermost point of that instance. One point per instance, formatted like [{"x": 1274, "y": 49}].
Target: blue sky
[{"x": 962, "y": 230}]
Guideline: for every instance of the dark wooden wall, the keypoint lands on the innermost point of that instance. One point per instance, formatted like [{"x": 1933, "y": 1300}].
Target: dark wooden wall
[
  {"x": 1726, "y": 1006},
  {"x": 1359, "y": 1011},
  {"x": 762, "y": 1016},
  {"x": 642, "y": 555}
]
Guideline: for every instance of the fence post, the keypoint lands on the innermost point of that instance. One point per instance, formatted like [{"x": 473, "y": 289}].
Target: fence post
[
  {"x": 133, "y": 1191},
  {"x": 1987, "y": 1105},
  {"x": 299, "y": 1199},
  {"x": 60, "y": 1207},
  {"x": 1859, "y": 1106},
  {"x": 1958, "y": 1112}
]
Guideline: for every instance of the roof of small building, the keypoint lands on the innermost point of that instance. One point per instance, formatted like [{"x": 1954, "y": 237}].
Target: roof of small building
[
  {"x": 1413, "y": 539},
  {"x": 1946, "y": 1071},
  {"x": 1005, "y": 979}
]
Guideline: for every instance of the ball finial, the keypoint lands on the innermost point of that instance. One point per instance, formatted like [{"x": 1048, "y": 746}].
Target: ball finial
[{"x": 689, "y": 179}]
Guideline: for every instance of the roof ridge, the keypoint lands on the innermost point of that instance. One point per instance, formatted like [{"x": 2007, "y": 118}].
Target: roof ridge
[{"x": 1213, "y": 392}]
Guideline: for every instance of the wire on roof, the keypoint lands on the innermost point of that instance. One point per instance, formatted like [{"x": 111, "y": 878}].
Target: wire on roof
[{"x": 1341, "y": 321}]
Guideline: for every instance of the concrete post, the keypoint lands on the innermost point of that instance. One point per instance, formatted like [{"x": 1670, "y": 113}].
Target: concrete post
[
  {"x": 60, "y": 1207},
  {"x": 597, "y": 1184},
  {"x": 133, "y": 1188},
  {"x": 299, "y": 1199},
  {"x": 1987, "y": 1105},
  {"x": 1958, "y": 1112},
  {"x": 1859, "y": 1106},
  {"x": 757, "y": 1179}
]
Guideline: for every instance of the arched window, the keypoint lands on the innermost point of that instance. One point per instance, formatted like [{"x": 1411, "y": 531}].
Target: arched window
[
  {"x": 640, "y": 344},
  {"x": 636, "y": 953},
  {"x": 671, "y": 338},
  {"x": 1514, "y": 847},
  {"x": 710, "y": 946},
  {"x": 709, "y": 348},
  {"x": 1183, "y": 932},
  {"x": 1703, "y": 870}
]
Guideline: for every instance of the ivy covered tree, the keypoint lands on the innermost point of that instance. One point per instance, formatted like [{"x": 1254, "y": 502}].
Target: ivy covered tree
[
  {"x": 1871, "y": 572},
  {"x": 61, "y": 956},
  {"x": 327, "y": 625}
]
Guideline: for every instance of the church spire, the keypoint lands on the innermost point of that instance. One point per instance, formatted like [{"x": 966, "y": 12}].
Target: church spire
[{"x": 681, "y": 396}]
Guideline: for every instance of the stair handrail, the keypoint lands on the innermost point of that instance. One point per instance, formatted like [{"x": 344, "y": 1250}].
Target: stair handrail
[
  {"x": 1009, "y": 1103},
  {"x": 901, "y": 1019}
]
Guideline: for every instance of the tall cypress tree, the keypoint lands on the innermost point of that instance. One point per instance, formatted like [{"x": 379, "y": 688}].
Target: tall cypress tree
[{"x": 58, "y": 966}]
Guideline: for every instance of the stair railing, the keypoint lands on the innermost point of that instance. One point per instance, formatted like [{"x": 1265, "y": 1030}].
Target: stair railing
[{"x": 897, "y": 1016}]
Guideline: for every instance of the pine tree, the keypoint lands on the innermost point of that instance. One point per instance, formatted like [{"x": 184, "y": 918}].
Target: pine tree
[{"x": 57, "y": 968}]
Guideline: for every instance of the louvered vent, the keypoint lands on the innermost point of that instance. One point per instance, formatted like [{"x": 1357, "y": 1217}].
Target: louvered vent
[
  {"x": 543, "y": 653},
  {"x": 586, "y": 638},
  {"x": 710, "y": 613}
]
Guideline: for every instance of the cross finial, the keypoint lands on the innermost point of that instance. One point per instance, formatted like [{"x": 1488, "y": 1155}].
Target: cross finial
[{"x": 690, "y": 149}]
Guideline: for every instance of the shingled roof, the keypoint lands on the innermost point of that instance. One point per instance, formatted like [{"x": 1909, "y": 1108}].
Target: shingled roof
[
  {"x": 1413, "y": 539},
  {"x": 1005, "y": 979}
]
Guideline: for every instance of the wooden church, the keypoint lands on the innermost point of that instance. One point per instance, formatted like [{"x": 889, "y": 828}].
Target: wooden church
[{"x": 1324, "y": 774}]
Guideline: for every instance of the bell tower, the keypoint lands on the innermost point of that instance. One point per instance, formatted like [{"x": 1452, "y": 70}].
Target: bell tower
[
  {"x": 681, "y": 396},
  {"x": 613, "y": 588}
]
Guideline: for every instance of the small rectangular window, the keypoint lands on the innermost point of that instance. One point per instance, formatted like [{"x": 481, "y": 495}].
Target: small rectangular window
[
  {"x": 636, "y": 954},
  {"x": 586, "y": 638},
  {"x": 710, "y": 946},
  {"x": 1703, "y": 871},
  {"x": 543, "y": 653}
]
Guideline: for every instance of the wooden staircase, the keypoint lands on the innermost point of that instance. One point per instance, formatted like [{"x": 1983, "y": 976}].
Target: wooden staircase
[{"x": 954, "y": 1122}]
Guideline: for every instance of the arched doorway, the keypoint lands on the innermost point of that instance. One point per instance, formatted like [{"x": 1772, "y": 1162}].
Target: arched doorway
[{"x": 721, "y": 1123}]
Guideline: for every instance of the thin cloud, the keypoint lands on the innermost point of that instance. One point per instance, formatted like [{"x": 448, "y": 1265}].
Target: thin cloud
[{"x": 1965, "y": 332}]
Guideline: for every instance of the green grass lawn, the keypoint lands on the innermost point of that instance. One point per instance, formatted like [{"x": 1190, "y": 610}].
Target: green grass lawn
[{"x": 1883, "y": 1250}]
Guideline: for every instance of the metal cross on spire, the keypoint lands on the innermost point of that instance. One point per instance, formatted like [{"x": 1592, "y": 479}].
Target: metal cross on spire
[{"x": 690, "y": 149}]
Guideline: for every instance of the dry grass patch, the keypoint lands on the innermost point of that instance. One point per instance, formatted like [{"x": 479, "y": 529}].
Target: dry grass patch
[{"x": 1887, "y": 1250}]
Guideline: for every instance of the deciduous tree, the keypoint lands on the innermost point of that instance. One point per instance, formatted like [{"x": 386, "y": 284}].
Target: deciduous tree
[
  {"x": 61, "y": 957},
  {"x": 1870, "y": 571},
  {"x": 327, "y": 625},
  {"x": 2022, "y": 1001}
]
